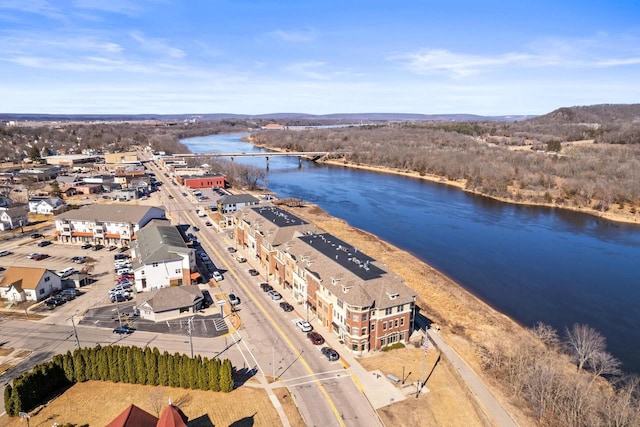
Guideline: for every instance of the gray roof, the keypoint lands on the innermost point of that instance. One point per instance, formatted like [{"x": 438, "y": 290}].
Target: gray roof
[
  {"x": 172, "y": 298},
  {"x": 275, "y": 224},
  {"x": 130, "y": 214},
  {"x": 231, "y": 199},
  {"x": 159, "y": 241},
  {"x": 351, "y": 275}
]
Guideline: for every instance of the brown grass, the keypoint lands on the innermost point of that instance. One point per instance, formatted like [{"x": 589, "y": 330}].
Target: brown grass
[
  {"x": 444, "y": 405},
  {"x": 289, "y": 406},
  {"x": 97, "y": 403}
]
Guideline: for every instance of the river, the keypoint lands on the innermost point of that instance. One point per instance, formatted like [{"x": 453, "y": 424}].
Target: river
[{"x": 531, "y": 263}]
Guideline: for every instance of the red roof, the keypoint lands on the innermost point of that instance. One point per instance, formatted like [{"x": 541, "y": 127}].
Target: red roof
[
  {"x": 135, "y": 417},
  {"x": 172, "y": 416}
]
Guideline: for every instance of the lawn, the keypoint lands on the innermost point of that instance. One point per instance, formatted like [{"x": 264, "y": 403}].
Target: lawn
[{"x": 97, "y": 403}]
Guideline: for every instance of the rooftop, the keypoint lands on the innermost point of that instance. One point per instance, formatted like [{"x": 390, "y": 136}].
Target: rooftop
[{"x": 279, "y": 217}]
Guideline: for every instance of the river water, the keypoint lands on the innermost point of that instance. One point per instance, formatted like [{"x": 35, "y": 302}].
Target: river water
[{"x": 531, "y": 263}]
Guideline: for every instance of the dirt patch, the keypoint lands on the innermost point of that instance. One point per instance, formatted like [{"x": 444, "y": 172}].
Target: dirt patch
[
  {"x": 5, "y": 351},
  {"x": 108, "y": 400}
]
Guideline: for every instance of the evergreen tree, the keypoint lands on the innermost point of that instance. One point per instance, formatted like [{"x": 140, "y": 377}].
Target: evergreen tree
[
  {"x": 214, "y": 374},
  {"x": 140, "y": 372},
  {"x": 8, "y": 400},
  {"x": 163, "y": 371},
  {"x": 34, "y": 153},
  {"x": 174, "y": 370},
  {"x": 226, "y": 376},
  {"x": 183, "y": 371},
  {"x": 129, "y": 365},
  {"x": 151, "y": 365},
  {"x": 78, "y": 366},
  {"x": 102, "y": 364},
  {"x": 203, "y": 374}
]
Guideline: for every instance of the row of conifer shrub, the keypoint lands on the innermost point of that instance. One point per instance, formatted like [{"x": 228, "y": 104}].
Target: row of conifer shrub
[{"x": 133, "y": 365}]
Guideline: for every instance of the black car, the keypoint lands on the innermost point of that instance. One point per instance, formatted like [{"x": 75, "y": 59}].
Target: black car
[
  {"x": 44, "y": 243},
  {"x": 54, "y": 301},
  {"x": 123, "y": 330},
  {"x": 97, "y": 247},
  {"x": 253, "y": 272},
  {"x": 195, "y": 228},
  {"x": 86, "y": 246},
  {"x": 266, "y": 287},
  {"x": 124, "y": 249},
  {"x": 330, "y": 353},
  {"x": 118, "y": 298},
  {"x": 37, "y": 236},
  {"x": 285, "y": 306},
  {"x": 231, "y": 250}
]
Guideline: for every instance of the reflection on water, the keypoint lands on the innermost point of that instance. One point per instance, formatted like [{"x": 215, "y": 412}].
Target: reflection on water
[{"x": 531, "y": 263}]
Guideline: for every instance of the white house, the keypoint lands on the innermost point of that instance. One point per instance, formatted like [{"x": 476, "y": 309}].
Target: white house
[
  {"x": 169, "y": 303},
  {"x": 161, "y": 258},
  {"x": 112, "y": 224},
  {"x": 28, "y": 284},
  {"x": 46, "y": 205},
  {"x": 235, "y": 202},
  {"x": 14, "y": 217}
]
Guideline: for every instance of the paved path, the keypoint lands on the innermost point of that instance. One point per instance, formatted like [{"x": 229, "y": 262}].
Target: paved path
[{"x": 492, "y": 407}]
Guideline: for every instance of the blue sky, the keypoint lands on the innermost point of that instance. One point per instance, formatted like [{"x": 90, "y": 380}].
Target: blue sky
[{"x": 254, "y": 57}]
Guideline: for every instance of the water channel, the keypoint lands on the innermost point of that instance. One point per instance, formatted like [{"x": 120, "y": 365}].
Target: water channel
[{"x": 531, "y": 263}]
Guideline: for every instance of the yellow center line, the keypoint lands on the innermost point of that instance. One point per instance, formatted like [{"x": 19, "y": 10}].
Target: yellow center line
[{"x": 279, "y": 330}]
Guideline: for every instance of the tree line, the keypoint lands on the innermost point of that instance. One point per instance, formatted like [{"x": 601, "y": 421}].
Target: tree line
[
  {"x": 535, "y": 374},
  {"x": 133, "y": 365}
]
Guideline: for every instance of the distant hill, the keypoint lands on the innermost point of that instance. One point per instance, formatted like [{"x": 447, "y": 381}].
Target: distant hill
[
  {"x": 274, "y": 116},
  {"x": 600, "y": 114}
]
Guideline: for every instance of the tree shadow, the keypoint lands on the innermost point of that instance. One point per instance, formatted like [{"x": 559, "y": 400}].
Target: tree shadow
[
  {"x": 243, "y": 375},
  {"x": 244, "y": 422},
  {"x": 201, "y": 421}
]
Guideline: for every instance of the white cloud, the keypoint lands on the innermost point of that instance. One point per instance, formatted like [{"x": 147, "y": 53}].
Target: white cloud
[
  {"x": 309, "y": 69},
  {"x": 297, "y": 36},
  {"x": 156, "y": 45},
  {"x": 37, "y": 7}
]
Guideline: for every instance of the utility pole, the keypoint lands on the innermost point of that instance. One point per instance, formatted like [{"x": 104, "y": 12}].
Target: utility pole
[
  {"x": 424, "y": 363},
  {"x": 75, "y": 332},
  {"x": 189, "y": 325}
]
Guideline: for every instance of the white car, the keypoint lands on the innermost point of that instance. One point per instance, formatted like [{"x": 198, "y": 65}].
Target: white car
[
  {"x": 217, "y": 276},
  {"x": 275, "y": 295},
  {"x": 304, "y": 326}
]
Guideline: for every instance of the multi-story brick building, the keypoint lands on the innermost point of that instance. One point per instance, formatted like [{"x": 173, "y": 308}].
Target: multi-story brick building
[{"x": 349, "y": 293}]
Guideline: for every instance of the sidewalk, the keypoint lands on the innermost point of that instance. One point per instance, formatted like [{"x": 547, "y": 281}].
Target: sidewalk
[{"x": 493, "y": 409}]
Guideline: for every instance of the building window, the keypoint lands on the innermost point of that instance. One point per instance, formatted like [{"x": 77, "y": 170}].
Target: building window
[
  {"x": 387, "y": 311},
  {"x": 155, "y": 264},
  {"x": 348, "y": 329},
  {"x": 356, "y": 317},
  {"x": 373, "y": 327},
  {"x": 383, "y": 341},
  {"x": 396, "y": 323},
  {"x": 46, "y": 279},
  {"x": 339, "y": 302},
  {"x": 384, "y": 326},
  {"x": 178, "y": 271},
  {"x": 364, "y": 317},
  {"x": 402, "y": 321},
  {"x": 41, "y": 291},
  {"x": 401, "y": 336},
  {"x": 400, "y": 308},
  {"x": 320, "y": 303},
  {"x": 354, "y": 346}
]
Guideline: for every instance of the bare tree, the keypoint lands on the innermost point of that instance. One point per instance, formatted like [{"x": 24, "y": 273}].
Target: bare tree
[
  {"x": 603, "y": 363},
  {"x": 584, "y": 343},
  {"x": 157, "y": 400},
  {"x": 622, "y": 409},
  {"x": 547, "y": 334}
]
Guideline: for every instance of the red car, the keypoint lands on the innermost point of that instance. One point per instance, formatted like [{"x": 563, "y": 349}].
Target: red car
[
  {"x": 315, "y": 338},
  {"x": 39, "y": 257}
]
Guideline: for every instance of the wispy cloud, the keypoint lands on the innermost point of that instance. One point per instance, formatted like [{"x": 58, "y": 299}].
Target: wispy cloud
[
  {"x": 297, "y": 36},
  {"x": 156, "y": 45},
  {"x": 120, "y": 7},
  {"x": 36, "y": 7},
  {"x": 595, "y": 52},
  {"x": 310, "y": 69}
]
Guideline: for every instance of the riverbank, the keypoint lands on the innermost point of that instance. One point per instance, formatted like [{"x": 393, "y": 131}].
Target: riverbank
[
  {"x": 614, "y": 213},
  {"x": 466, "y": 323}
]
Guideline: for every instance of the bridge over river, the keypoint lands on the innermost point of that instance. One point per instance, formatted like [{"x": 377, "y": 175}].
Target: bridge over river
[{"x": 310, "y": 155}]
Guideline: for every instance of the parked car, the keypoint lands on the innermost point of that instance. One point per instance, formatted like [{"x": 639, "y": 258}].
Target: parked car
[
  {"x": 275, "y": 295},
  {"x": 253, "y": 272},
  {"x": 37, "y": 236},
  {"x": 54, "y": 301},
  {"x": 240, "y": 258},
  {"x": 123, "y": 330},
  {"x": 233, "y": 300},
  {"x": 304, "y": 326},
  {"x": 208, "y": 224},
  {"x": 44, "y": 243},
  {"x": 231, "y": 250},
  {"x": 195, "y": 228},
  {"x": 86, "y": 246},
  {"x": 40, "y": 257},
  {"x": 266, "y": 287},
  {"x": 79, "y": 259},
  {"x": 217, "y": 276},
  {"x": 204, "y": 256},
  {"x": 286, "y": 307},
  {"x": 315, "y": 338},
  {"x": 124, "y": 249},
  {"x": 120, "y": 297},
  {"x": 97, "y": 247},
  {"x": 330, "y": 353},
  {"x": 5, "y": 253},
  {"x": 120, "y": 256},
  {"x": 32, "y": 255}
]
